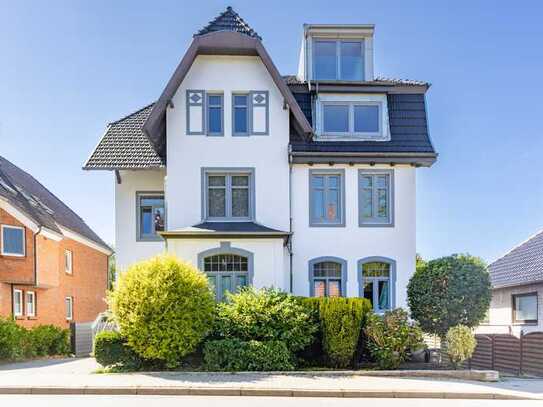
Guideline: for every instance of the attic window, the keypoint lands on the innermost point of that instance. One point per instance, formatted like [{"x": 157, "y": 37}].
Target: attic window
[{"x": 341, "y": 60}]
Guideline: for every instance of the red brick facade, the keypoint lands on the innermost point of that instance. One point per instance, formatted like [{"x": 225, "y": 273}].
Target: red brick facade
[{"x": 45, "y": 275}]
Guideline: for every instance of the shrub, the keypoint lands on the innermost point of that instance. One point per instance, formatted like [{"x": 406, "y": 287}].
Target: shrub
[
  {"x": 12, "y": 338},
  {"x": 111, "y": 350},
  {"x": 235, "y": 355},
  {"x": 460, "y": 344},
  {"x": 163, "y": 307},
  {"x": 265, "y": 315},
  {"x": 340, "y": 323},
  {"x": 48, "y": 340},
  {"x": 449, "y": 291},
  {"x": 391, "y": 337}
]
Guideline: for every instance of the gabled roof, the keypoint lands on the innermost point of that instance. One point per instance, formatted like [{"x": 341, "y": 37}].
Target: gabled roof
[
  {"x": 229, "y": 20},
  {"x": 522, "y": 265},
  {"x": 125, "y": 146},
  {"x": 29, "y": 196},
  {"x": 220, "y": 43}
]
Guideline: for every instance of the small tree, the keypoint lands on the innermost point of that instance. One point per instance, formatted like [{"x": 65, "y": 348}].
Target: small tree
[
  {"x": 163, "y": 307},
  {"x": 449, "y": 291},
  {"x": 460, "y": 344}
]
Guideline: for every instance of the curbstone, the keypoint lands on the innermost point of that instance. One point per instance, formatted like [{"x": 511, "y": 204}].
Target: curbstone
[
  {"x": 111, "y": 390},
  {"x": 214, "y": 391},
  {"x": 162, "y": 391},
  {"x": 266, "y": 392},
  {"x": 57, "y": 390},
  {"x": 15, "y": 390}
]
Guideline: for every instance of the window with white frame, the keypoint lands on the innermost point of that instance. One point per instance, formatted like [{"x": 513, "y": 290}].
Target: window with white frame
[
  {"x": 31, "y": 303},
  {"x": 17, "y": 303},
  {"x": 69, "y": 301},
  {"x": 228, "y": 194},
  {"x": 375, "y": 197},
  {"x": 341, "y": 60},
  {"x": 13, "y": 240},
  {"x": 68, "y": 261},
  {"x": 525, "y": 308},
  {"x": 151, "y": 215},
  {"x": 356, "y": 117},
  {"x": 327, "y": 279}
]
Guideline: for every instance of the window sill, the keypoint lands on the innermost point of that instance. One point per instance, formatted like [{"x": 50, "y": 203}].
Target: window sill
[
  {"x": 14, "y": 256},
  {"x": 531, "y": 323},
  {"x": 376, "y": 225},
  {"x": 351, "y": 137},
  {"x": 32, "y": 318},
  {"x": 326, "y": 225},
  {"x": 149, "y": 239},
  {"x": 20, "y": 317}
]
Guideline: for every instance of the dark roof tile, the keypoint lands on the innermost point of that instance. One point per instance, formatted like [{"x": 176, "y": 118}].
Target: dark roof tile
[
  {"x": 125, "y": 146},
  {"x": 27, "y": 194},
  {"x": 522, "y": 265},
  {"x": 229, "y": 20}
]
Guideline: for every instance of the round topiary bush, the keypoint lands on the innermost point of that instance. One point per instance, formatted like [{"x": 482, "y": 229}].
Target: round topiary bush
[
  {"x": 163, "y": 307},
  {"x": 449, "y": 291}
]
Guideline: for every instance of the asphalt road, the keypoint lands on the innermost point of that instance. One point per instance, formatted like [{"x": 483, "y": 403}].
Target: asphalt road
[{"x": 197, "y": 401}]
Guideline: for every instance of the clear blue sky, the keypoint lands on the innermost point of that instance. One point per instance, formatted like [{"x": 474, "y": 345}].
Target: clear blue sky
[{"x": 69, "y": 67}]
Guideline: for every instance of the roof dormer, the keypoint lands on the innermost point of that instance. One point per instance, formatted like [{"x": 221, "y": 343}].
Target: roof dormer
[{"x": 336, "y": 53}]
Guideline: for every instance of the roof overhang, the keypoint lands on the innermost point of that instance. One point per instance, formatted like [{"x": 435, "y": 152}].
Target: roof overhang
[
  {"x": 220, "y": 43},
  {"x": 366, "y": 87},
  {"x": 415, "y": 159},
  {"x": 517, "y": 284}
]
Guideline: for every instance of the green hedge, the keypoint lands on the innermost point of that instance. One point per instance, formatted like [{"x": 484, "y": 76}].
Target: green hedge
[
  {"x": 265, "y": 315},
  {"x": 341, "y": 321},
  {"x": 18, "y": 343},
  {"x": 236, "y": 355},
  {"x": 112, "y": 350}
]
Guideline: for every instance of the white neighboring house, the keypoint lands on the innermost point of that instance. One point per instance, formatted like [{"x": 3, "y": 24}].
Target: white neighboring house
[
  {"x": 305, "y": 183},
  {"x": 517, "y": 290}
]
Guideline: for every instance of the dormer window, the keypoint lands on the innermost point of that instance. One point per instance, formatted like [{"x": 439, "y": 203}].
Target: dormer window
[
  {"x": 341, "y": 60},
  {"x": 352, "y": 117}
]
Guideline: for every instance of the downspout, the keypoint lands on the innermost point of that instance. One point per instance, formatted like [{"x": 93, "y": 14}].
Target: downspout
[
  {"x": 289, "y": 246},
  {"x": 35, "y": 248}
]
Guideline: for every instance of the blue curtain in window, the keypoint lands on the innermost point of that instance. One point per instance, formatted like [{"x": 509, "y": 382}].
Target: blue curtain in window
[{"x": 383, "y": 296}]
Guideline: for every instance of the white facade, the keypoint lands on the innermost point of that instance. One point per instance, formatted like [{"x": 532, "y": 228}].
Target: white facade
[
  {"x": 500, "y": 313},
  {"x": 280, "y": 190}
]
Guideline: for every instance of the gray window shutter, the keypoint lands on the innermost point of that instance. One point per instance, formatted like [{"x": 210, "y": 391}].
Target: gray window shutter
[
  {"x": 195, "y": 112},
  {"x": 260, "y": 115}
]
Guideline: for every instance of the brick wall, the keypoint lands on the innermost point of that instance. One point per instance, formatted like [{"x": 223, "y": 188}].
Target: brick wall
[{"x": 87, "y": 284}]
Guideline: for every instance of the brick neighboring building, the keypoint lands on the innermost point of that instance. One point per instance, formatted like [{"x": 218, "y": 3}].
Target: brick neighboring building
[{"x": 53, "y": 267}]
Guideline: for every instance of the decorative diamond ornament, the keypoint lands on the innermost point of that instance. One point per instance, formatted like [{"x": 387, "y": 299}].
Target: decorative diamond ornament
[
  {"x": 195, "y": 97},
  {"x": 259, "y": 98}
]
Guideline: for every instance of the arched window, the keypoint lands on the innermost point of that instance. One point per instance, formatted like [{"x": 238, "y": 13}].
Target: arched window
[
  {"x": 227, "y": 268},
  {"x": 377, "y": 278},
  {"x": 226, "y": 272},
  {"x": 327, "y": 277}
]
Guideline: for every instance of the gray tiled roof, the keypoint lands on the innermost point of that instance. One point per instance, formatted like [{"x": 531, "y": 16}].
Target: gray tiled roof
[
  {"x": 236, "y": 227},
  {"x": 229, "y": 20},
  {"x": 408, "y": 131},
  {"x": 125, "y": 145},
  {"x": 522, "y": 265},
  {"x": 27, "y": 194}
]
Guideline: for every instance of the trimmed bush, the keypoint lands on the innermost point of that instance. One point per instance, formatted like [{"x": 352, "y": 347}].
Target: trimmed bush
[
  {"x": 17, "y": 342},
  {"x": 449, "y": 291},
  {"x": 341, "y": 321},
  {"x": 391, "y": 337},
  {"x": 233, "y": 355},
  {"x": 460, "y": 344},
  {"x": 49, "y": 340},
  {"x": 265, "y": 315},
  {"x": 12, "y": 338},
  {"x": 164, "y": 308},
  {"x": 111, "y": 350}
]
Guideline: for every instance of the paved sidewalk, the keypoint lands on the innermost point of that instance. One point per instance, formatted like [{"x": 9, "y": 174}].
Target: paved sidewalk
[{"x": 75, "y": 376}]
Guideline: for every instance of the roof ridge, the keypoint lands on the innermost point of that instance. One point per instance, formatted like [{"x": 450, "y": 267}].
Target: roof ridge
[
  {"x": 131, "y": 114},
  {"x": 517, "y": 247}
]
